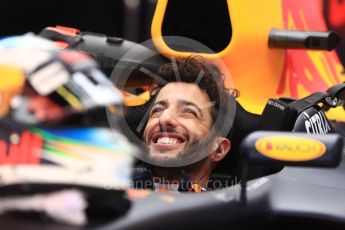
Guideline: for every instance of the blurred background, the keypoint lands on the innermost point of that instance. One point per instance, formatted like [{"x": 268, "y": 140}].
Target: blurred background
[{"x": 130, "y": 19}]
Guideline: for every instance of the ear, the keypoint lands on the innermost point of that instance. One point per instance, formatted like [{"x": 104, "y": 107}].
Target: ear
[{"x": 223, "y": 148}]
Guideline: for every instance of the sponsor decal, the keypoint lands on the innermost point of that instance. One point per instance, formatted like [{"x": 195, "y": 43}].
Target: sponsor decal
[
  {"x": 289, "y": 148},
  {"x": 276, "y": 104},
  {"x": 316, "y": 124}
]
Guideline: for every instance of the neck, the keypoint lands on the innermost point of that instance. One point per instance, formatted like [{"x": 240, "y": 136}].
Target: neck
[
  {"x": 200, "y": 172},
  {"x": 166, "y": 175}
]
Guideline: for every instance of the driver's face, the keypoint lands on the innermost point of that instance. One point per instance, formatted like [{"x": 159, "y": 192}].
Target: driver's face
[{"x": 179, "y": 118}]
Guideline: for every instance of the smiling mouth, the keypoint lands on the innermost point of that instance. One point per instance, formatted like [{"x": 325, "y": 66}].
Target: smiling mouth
[{"x": 168, "y": 139}]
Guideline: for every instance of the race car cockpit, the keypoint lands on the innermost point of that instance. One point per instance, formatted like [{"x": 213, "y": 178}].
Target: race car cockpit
[{"x": 283, "y": 114}]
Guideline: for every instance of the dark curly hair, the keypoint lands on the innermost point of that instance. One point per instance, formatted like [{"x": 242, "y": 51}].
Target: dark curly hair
[{"x": 206, "y": 76}]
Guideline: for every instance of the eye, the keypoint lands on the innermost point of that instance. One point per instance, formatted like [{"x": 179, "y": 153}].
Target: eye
[
  {"x": 190, "y": 111},
  {"x": 156, "y": 110}
]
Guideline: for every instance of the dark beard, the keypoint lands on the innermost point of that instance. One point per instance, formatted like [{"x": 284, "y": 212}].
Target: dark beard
[{"x": 192, "y": 154}]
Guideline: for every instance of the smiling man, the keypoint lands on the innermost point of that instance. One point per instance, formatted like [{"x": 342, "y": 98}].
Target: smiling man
[{"x": 185, "y": 130}]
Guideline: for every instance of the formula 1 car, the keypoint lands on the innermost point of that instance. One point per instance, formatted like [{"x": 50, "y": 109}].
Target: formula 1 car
[
  {"x": 283, "y": 190},
  {"x": 292, "y": 196},
  {"x": 306, "y": 191}
]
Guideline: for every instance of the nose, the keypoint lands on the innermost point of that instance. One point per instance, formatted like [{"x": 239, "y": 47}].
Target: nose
[{"x": 168, "y": 119}]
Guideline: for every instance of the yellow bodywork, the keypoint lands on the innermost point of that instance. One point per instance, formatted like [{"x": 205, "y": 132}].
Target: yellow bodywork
[{"x": 257, "y": 71}]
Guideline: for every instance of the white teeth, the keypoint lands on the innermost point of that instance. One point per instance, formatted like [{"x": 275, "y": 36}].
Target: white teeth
[{"x": 166, "y": 140}]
